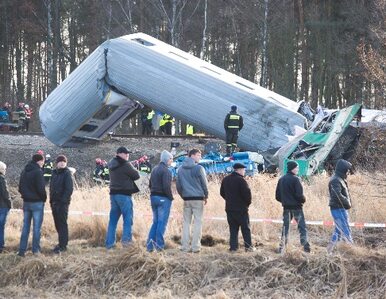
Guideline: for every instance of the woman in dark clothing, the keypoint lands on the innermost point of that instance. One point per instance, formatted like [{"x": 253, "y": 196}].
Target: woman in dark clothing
[
  {"x": 61, "y": 188},
  {"x": 5, "y": 203}
]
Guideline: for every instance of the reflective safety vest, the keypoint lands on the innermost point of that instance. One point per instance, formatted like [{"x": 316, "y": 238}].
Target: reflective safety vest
[
  {"x": 168, "y": 119},
  {"x": 144, "y": 167},
  {"x": 233, "y": 121},
  {"x": 105, "y": 173},
  {"x": 150, "y": 115},
  {"x": 189, "y": 129},
  {"x": 21, "y": 113},
  {"x": 47, "y": 168}
]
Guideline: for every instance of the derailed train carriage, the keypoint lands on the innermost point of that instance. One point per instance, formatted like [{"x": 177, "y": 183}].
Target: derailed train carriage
[{"x": 136, "y": 69}]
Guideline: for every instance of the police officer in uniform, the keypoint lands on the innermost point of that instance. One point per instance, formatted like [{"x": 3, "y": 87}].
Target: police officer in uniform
[{"x": 233, "y": 123}]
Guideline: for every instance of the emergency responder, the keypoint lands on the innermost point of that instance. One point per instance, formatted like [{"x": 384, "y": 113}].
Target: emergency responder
[
  {"x": 28, "y": 114},
  {"x": 166, "y": 124},
  {"x": 21, "y": 112},
  {"x": 98, "y": 170},
  {"x": 7, "y": 109},
  {"x": 148, "y": 123},
  {"x": 189, "y": 129},
  {"x": 233, "y": 123},
  {"x": 47, "y": 169},
  {"x": 105, "y": 175},
  {"x": 144, "y": 164}
]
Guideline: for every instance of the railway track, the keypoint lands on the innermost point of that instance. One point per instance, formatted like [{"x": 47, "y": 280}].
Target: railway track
[{"x": 119, "y": 135}]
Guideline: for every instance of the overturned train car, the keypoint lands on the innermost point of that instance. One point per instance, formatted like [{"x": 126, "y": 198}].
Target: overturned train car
[{"x": 136, "y": 69}]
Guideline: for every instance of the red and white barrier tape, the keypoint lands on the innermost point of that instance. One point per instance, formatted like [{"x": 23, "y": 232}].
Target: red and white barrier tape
[{"x": 218, "y": 218}]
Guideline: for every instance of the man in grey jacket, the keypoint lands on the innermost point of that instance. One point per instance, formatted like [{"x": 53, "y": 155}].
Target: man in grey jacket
[{"x": 192, "y": 186}]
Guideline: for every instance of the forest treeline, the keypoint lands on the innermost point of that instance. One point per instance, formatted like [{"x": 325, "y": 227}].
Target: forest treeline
[{"x": 325, "y": 52}]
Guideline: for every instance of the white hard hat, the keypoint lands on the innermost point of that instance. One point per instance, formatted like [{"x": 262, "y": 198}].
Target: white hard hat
[
  {"x": 48, "y": 156},
  {"x": 26, "y": 106}
]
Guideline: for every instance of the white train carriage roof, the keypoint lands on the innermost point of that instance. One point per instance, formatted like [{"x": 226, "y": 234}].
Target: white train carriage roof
[{"x": 144, "y": 69}]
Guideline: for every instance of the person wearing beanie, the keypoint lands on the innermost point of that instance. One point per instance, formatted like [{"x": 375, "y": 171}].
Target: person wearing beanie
[
  {"x": 122, "y": 186},
  {"x": 238, "y": 197},
  {"x": 340, "y": 203},
  {"x": 161, "y": 198},
  {"x": 5, "y": 203},
  {"x": 233, "y": 123},
  {"x": 33, "y": 191},
  {"x": 61, "y": 188},
  {"x": 289, "y": 192}
]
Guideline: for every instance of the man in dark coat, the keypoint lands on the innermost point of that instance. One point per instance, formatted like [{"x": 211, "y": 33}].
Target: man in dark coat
[
  {"x": 122, "y": 186},
  {"x": 237, "y": 194},
  {"x": 5, "y": 203},
  {"x": 61, "y": 188},
  {"x": 161, "y": 198},
  {"x": 233, "y": 123},
  {"x": 289, "y": 192},
  {"x": 33, "y": 192},
  {"x": 340, "y": 203}
]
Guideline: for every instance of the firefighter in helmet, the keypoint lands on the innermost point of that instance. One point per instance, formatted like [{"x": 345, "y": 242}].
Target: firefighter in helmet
[{"x": 233, "y": 123}]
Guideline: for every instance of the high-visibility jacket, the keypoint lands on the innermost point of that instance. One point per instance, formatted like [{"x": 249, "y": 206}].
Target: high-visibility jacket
[
  {"x": 21, "y": 112},
  {"x": 150, "y": 115},
  {"x": 167, "y": 119},
  {"x": 47, "y": 168},
  {"x": 233, "y": 120},
  {"x": 189, "y": 129}
]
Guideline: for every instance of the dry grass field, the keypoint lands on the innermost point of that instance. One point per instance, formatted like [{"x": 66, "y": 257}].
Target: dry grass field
[{"x": 87, "y": 270}]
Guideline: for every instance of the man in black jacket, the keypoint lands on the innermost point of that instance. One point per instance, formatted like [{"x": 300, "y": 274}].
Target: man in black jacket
[
  {"x": 61, "y": 188},
  {"x": 340, "y": 203},
  {"x": 289, "y": 192},
  {"x": 33, "y": 192},
  {"x": 237, "y": 194},
  {"x": 161, "y": 198},
  {"x": 122, "y": 186},
  {"x": 233, "y": 123}
]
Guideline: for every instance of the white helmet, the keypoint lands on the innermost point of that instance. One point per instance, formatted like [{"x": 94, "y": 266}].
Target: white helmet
[
  {"x": 48, "y": 156},
  {"x": 26, "y": 106}
]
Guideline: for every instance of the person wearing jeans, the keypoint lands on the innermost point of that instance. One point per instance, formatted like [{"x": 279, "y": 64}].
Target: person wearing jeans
[
  {"x": 289, "y": 192},
  {"x": 161, "y": 198},
  {"x": 5, "y": 203},
  {"x": 339, "y": 203},
  {"x": 33, "y": 192},
  {"x": 122, "y": 186},
  {"x": 32, "y": 211},
  {"x": 192, "y": 186}
]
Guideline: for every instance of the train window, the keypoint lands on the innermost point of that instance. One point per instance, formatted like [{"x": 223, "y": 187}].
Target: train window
[
  {"x": 88, "y": 128},
  {"x": 143, "y": 42},
  {"x": 178, "y": 55},
  {"x": 245, "y": 85},
  {"x": 105, "y": 112}
]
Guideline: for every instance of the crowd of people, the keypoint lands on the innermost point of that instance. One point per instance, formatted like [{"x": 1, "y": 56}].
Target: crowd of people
[
  {"x": 192, "y": 187},
  {"x": 21, "y": 116}
]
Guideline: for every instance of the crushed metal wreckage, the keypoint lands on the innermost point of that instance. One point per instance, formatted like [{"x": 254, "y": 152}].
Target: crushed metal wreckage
[{"x": 125, "y": 73}]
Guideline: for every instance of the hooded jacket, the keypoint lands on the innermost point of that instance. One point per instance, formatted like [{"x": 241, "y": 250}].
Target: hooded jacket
[
  {"x": 32, "y": 184},
  {"x": 191, "y": 181},
  {"x": 289, "y": 191},
  {"x": 122, "y": 177},
  {"x": 61, "y": 186},
  {"x": 5, "y": 201},
  {"x": 338, "y": 188},
  {"x": 236, "y": 192}
]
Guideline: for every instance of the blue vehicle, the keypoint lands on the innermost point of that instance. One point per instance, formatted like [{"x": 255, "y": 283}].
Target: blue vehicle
[{"x": 215, "y": 163}]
